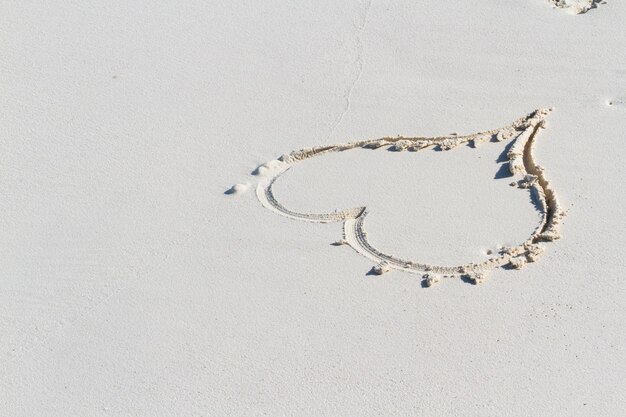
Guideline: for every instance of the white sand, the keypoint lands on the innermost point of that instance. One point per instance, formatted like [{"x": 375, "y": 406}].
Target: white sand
[{"x": 131, "y": 284}]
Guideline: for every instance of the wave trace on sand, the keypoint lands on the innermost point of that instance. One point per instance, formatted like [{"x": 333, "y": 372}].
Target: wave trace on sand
[{"x": 522, "y": 164}]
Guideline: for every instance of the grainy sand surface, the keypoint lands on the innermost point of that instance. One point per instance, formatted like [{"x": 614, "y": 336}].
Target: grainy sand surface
[{"x": 141, "y": 275}]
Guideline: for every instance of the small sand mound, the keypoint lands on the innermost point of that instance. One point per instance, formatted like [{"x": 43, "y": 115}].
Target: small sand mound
[
  {"x": 381, "y": 268},
  {"x": 576, "y": 6},
  {"x": 430, "y": 280},
  {"x": 269, "y": 167},
  {"x": 238, "y": 189}
]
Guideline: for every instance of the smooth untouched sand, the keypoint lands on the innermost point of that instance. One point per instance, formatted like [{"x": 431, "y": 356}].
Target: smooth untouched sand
[{"x": 133, "y": 283}]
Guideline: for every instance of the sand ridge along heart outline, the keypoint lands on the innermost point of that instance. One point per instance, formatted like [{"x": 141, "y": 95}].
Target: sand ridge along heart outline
[{"x": 523, "y": 132}]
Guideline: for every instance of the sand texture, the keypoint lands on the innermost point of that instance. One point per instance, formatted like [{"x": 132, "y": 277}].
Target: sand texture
[{"x": 323, "y": 208}]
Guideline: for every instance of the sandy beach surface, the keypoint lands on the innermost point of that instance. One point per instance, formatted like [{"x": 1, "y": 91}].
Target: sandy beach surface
[{"x": 173, "y": 176}]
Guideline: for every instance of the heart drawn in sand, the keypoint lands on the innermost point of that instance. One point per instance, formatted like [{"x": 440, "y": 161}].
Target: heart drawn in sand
[{"x": 523, "y": 132}]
